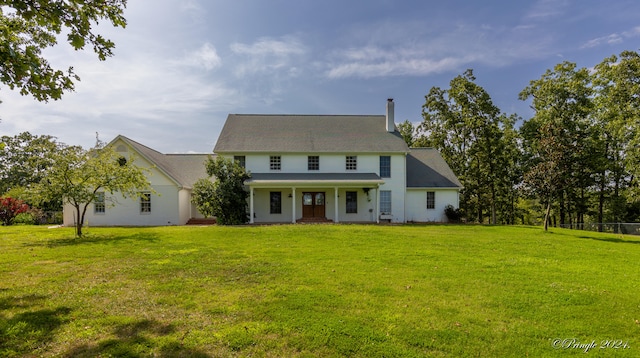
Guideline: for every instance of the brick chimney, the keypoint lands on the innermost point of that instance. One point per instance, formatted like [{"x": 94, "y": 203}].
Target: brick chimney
[{"x": 391, "y": 126}]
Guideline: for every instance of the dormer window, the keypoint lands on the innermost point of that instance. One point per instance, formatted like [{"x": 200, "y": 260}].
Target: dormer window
[
  {"x": 275, "y": 162},
  {"x": 351, "y": 162}
]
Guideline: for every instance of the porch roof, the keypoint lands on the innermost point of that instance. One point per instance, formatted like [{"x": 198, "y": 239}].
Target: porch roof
[{"x": 306, "y": 179}]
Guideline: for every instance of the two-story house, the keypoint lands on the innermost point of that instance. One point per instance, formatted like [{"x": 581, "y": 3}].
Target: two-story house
[
  {"x": 309, "y": 168},
  {"x": 336, "y": 167}
]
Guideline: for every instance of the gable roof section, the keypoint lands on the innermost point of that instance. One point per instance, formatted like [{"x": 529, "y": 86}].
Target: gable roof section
[
  {"x": 183, "y": 169},
  {"x": 247, "y": 133},
  {"x": 427, "y": 169}
]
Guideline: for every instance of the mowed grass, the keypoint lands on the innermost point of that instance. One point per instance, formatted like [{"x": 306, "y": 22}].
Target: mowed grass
[{"x": 318, "y": 290}]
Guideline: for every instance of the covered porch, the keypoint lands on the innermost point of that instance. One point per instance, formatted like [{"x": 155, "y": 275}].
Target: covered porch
[{"x": 291, "y": 197}]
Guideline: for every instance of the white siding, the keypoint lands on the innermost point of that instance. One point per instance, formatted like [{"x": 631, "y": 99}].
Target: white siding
[
  {"x": 126, "y": 212},
  {"x": 120, "y": 211},
  {"x": 416, "y": 202},
  {"x": 330, "y": 163}
]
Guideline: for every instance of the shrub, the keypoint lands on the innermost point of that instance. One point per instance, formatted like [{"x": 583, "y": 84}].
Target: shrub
[
  {"x": 24, "y": 219},
  {"x": 453, "y": 214},
  {"x": 10, "y": 208}
]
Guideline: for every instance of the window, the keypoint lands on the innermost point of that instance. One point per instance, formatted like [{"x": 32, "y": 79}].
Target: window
[
  {"x": 240, "y": 159},
  {"x": 145, "y": 202},
  {"x": 98, "y": 203},
  {"x": 275, "y": 162},
  {"x": 385, "y": 202},
  {"x": 431, "y": 200},
  {"x": 385, "y": 166},
  {"x": 352, "y": 202},
  {"x": 313, "y": 162},
  {"x": 276, "y": 202},
  {"x": 352, "y": 162}
]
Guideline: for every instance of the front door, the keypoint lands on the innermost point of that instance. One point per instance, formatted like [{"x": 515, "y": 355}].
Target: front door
[{"x": 313, "y": 205}]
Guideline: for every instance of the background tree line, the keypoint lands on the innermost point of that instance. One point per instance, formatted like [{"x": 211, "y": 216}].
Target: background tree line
[{"x": 576, "y": 160}]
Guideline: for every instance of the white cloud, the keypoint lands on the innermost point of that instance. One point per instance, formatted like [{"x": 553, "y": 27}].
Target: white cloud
[
  {"x": 205, "y": 57},
  {"x": 267, "y": 55},
  {"x": 546, "y": 9},
  {"x": 374, "y": 62},
  {"x": 612, "y": 39},
  {"x": 422, "y": 53}
]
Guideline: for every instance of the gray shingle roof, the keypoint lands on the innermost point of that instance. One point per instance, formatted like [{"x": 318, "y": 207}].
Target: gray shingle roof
[
  {"x": 427, "y": 169},
  {"x": 246, "y": 133},
  {"x": 183, "y": 169}
]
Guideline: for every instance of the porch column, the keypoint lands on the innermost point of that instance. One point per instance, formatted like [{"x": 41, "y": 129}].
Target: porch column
[
  {"x": 251, "y": 206},
  {"x": 335, "y": 201},
  {"x": 293, "y": 205},
  {"x": 378, "y": 204}
]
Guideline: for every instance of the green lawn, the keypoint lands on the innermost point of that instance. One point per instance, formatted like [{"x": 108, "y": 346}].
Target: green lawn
[{"x": 318, "y": 290}]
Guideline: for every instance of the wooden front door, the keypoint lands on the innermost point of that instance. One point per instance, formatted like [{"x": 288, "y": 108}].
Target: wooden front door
[{"x": 313, "y": 205}]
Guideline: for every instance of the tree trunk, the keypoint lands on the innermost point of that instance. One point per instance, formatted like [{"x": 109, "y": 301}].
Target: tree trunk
[
  {"x": 79, "y": 221},
  {"x": 562, "y": 209},
  {"x": 493, "y": 205},
  {"x": 546, "y": 216},
  {"x": 601, "y": 203}
]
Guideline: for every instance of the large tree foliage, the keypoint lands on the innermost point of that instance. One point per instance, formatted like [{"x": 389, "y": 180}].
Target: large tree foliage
[
  {"x": 78, "y": 175},
  {"x": 27, "y": 27},
  {"x": 557, "y": 139},
  {"x": 616, "y": 81},
  {"x": 24, "y": 159},
  {"x": 478, "y": 143},
  {"x": 225, "y": 198}
]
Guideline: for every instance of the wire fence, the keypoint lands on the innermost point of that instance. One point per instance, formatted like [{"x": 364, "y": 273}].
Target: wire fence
[{"x": 617, "y": 228}]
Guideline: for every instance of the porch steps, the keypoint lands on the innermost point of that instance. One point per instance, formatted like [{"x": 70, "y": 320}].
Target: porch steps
[
  {"x": 209, "y": 221},
  {"x": 314, "y": 221}
]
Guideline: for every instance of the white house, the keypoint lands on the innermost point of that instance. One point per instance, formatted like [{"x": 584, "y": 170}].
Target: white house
[
  {"x": 169, "y": 203},
  {"x": 309, "y": 168},
  {"x": 336, "y": 167}
]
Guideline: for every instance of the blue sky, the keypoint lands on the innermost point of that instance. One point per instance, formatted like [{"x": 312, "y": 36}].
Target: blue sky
[{"x": 181, "y": 66}]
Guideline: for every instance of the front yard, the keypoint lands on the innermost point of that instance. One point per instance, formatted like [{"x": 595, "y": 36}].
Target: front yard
[{"x": 318, "y": 290}]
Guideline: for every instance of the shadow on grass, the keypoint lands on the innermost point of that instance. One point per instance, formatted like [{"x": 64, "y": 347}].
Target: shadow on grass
[
  {"x": 611, "y": 239},
  {"x": 24, "y": 332},
  {"x": 89, "y": 239},
  {"x": 135, "y": 340},
  {"x": 584, "y": 235}
]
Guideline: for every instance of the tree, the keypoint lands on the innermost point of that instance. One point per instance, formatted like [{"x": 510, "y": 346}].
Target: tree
[
  {"x": 560, "y": 164},
  {"x": 24, "y": 159},
  {"x": 78, "y": 175},
  {"x": 225, "y": 198},
  {"x": 27, "y": 27},
  {"x": 469, "y": 130},
  {"x": 203, "y": 196},
  {"x": 617, "y": 84},
  {"x": 407, "y": 131},
  {"x": 10, "y": 208}
]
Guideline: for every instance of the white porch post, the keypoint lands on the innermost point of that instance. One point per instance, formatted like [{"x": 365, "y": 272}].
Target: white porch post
[
  {"x": 251, "y": 206},
  {"x": 293, "y": 205},
  {"x": 335, "y": 201},
  {"x": 378, "y": 204}
]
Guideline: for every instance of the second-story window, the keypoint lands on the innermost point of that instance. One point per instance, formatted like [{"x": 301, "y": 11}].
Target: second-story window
[
  {"x": 351, "y": 162},
  {"x": 313, "y": 162},
  {"x": 275, "y": 162},
  {"x": 240, "y": 159},
  {"x": 385, "y": 166}
]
